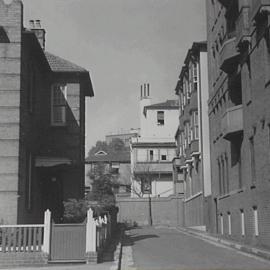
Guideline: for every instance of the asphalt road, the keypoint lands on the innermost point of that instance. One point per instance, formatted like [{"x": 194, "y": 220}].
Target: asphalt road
[{"x": 168, "y": 249}]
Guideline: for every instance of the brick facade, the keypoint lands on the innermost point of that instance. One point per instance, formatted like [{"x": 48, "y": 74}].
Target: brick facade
[
  {"x": 192, "y": 134},
  {"x": 239, "y": 59},
  {"x": 41, "y": 164}
]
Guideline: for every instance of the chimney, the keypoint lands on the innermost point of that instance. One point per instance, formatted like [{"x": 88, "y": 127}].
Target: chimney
[
  {"x": 35, "y": 26},
  {"x": 145, "y": 90}
]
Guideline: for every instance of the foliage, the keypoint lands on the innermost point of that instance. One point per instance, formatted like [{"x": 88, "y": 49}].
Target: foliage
[
  {"x": 116, "y": 145},
  {"x": 75, "y": 210}
]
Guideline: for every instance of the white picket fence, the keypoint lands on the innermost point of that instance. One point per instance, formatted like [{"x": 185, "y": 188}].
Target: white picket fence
[{"x": 37, "y": 237}]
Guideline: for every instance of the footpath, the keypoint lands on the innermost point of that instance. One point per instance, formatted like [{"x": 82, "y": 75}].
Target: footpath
[{"x": 263, "y": 253}]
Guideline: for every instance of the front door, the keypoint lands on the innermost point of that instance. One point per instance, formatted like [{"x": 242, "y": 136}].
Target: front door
[{"x": 52, "y": 193}]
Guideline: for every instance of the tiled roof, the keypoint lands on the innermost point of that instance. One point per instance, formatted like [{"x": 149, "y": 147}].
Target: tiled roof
[
  {"x": 169, "y": 104},
  {"x": 114, "y": 156},
  {"x": 58, "y": 64}
]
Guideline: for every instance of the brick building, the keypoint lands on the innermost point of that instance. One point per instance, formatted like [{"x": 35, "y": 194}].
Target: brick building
[
  {"x": 239, "y": 99},
  {"x": 42, "y": 122},
  {"x": 192, "y": 163}
]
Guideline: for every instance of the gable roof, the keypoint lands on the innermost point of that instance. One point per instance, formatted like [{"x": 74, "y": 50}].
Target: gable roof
[
  {"x": 112, "y": 156},
  {"x": 170, "y": 104},
  {"x": 58, "y": 64}
]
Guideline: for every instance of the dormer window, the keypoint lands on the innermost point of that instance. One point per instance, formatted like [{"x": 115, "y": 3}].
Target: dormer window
[
  {"x": 58, "y": 104},
  {"x": 160, "y": 118}
]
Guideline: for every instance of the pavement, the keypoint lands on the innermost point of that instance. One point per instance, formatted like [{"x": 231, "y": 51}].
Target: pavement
[{"x": 165, "y": 248}]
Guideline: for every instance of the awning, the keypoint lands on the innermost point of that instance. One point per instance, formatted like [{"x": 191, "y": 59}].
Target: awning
[{"x": 51, "y": 161}]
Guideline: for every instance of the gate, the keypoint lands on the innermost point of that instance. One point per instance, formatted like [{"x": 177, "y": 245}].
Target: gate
[{"x": 68, "y": 243}]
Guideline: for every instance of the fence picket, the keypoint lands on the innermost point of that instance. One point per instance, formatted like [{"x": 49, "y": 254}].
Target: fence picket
[
  {"x": 39, "y": 238},
  {"x": 24, "y": 238},
  {"x": 14, "y": 242},
  {"x": 9, "y": 239},
  {"x": 35, "y": 239},
  {"x": 3, "y": 240},
  {"x": 29, "y": 243},
  {"x": 19, "y": 239}
]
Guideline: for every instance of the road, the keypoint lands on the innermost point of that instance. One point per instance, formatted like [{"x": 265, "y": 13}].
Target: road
[{"x": 169, "y": 249}]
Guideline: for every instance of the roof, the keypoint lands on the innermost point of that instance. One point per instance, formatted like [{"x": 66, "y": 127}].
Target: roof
[
  {"x": 113, "y": 156},
  {"x": 58, "y": 64},
  {"x": 168, "y": 104},
  {"x": 199, "y": 46}
]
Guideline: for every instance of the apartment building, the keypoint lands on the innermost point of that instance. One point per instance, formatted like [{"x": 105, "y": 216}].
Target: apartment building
[
  {"x": 239, "y": 99},
  {"x": 42, "y": 122},
  {"x": 152, "y": 153},
  {"x": 192, "y": 163}
]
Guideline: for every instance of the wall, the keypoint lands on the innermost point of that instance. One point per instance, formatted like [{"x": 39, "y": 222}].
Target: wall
[
  {"x": 205, "y": 123},
  {"x": 10, "y": 87},
  {"x": 165, "y": 211},
  {"x": 150, "y": 128}
]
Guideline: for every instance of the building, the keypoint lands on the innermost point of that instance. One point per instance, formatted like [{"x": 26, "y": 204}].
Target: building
[
  {"x": 116, "y": 163},
  {"x": 125, "y": 136},
  {"x": 239, "y": 99},
  {"x": 42, "y": 123},
  {"x": 192, "y": 163},
  {"x": 153, "y": 151}
]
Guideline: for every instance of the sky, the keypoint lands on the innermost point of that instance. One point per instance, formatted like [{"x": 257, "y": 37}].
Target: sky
[{"x": 123, "y": 43}]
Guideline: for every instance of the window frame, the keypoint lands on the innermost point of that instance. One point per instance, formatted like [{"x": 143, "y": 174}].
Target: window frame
[
  {"x": 53, "y": 122},
  {"x": 159, "y": 118}
]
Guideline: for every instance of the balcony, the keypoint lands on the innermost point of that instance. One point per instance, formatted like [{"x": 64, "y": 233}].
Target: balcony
[
  {"x": 153, "y": 168},
  {"x": 194, "y": 147},
  {"x": 229, "y": 56},
  {"x": 258, "y": 7},
  {"x": 178, "y": 162},
  {"x": 232, "y": 122},
  {"x": 243, "y": 27}
]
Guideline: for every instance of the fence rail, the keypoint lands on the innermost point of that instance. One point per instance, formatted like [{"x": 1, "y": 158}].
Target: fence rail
[{"x": 21, "y": 238}]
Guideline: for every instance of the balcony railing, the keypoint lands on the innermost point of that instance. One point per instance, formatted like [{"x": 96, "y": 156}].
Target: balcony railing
[
  {"x": 258, "y": 7},
  {"x": 243, "y": 26},
  {"x": 229, "y": 56},
  {"x": 232, "y": 122},
  {"x": 179, "y": 161}
]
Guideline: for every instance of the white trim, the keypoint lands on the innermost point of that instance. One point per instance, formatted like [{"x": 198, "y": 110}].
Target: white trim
[
  {"x": 23, "y": 226},
  {"x": 242, "y": 223},
  {"x": 52, "y": 105},
  {"x": 221, "y": 225},
  {"x": 193, "y": 196},
  {"x": 256, "y": 222},
  {"x": 229, "y": 224}
]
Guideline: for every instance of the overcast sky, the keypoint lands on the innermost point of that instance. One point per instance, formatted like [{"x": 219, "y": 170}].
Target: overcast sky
[{"x": 123, "y": 43}]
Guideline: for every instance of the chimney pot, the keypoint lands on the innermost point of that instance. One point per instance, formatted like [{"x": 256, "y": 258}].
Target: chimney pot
[
  {"x": 37, "y": 24},
  {"x": 31, "y": 24}
]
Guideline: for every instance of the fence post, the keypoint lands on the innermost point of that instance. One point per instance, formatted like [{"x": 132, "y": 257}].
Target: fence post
[
  {"x": 90, "y": 232},
  {"x": 47, "y": 232}
]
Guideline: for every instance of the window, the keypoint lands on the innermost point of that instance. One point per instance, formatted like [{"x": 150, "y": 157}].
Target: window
[
  {"x": 146, "y": 186},
  {"x": 221, "y": 224},
  {"x": 229, "y": 224},
  {"x": 163, "y": 157},
  {"x": 195, "y": 76},
  {"x": 252, "y": 159},
  {"x": 58, "y": 104},
  {"x": 256, "y": 222},
  {"x": 195, "y": 125},
  {"x": 151, "y": 155},
  {"x": 160, "y": 118}
]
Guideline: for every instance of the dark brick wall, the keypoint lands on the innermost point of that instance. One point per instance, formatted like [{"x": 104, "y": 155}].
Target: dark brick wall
[
  {"x": 165, "y": 211},
  {"x": 253, "y": 65}
]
